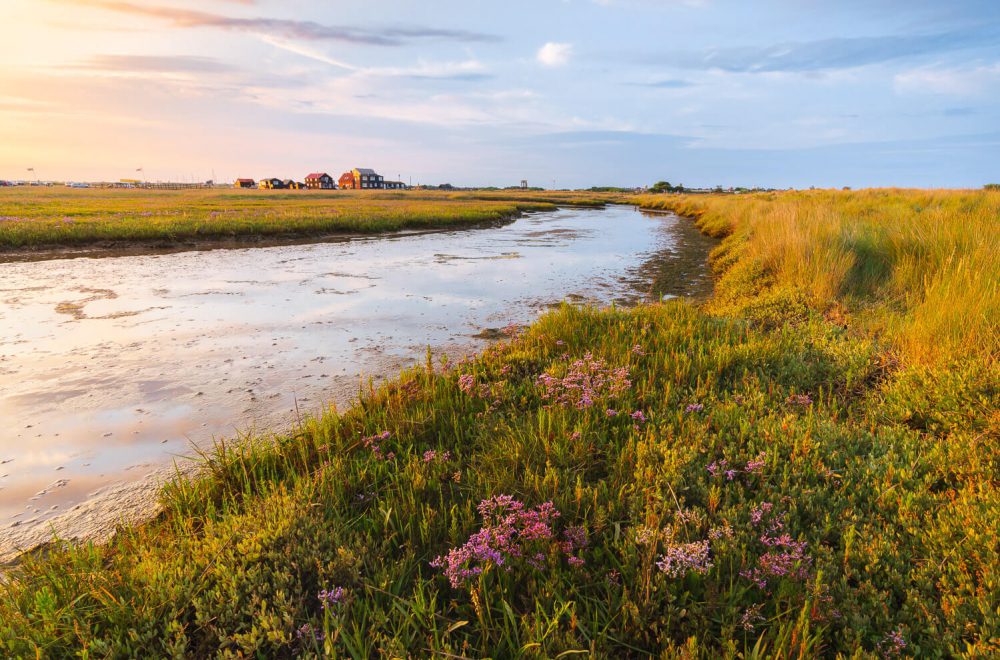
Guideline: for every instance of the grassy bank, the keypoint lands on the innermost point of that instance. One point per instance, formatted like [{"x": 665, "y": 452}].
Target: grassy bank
[
  {"x": 41, "y": 217},
  {"x": 790, "y": 470}
]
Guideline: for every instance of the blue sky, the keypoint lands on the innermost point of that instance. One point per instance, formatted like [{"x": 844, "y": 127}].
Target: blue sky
[{"x": 570, "y": 93}]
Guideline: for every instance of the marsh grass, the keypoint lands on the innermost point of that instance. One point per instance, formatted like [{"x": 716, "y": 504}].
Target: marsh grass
[
  {"x": 757, "y": 478},
  {"x": 35, "y": 217},
  {"x": 919, "y": 268}
]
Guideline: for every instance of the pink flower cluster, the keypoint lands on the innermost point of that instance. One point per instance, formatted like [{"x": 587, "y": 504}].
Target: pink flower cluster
[
  {"x": 432, "y": 455},
  {"x": 467, "y": 383},
  {"x": 331, "y": 599},
  {"x": 893, "y": 644},
  {"x": 722, "y": 467},
  {"x": 371, "y": 442},
  {"x": 586, "y": 381},
  {"x": 682, "y": 558},
  {"x": 785, "y": 557},
  {"x": 509, "y": 532},
  {"x": 799, "y": 400}
]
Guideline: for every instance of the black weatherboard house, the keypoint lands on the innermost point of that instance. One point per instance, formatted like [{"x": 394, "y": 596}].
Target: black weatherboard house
[{"x": 320, "y": 180}]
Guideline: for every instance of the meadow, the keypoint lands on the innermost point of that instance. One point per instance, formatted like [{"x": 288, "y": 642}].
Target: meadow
[
  {"x": 40, "y": 217},
  {"x": 804, "y": 465}
]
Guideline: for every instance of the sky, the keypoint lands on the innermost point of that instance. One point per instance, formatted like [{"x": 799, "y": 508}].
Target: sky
[{"x": 562, "y": 93}]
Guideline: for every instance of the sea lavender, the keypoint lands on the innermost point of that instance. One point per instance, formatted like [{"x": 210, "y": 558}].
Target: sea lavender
[
  {"x": 586, "y": 381},
  {"x": 510, "y": 531},
  {"x": 681, "y": 558},
  {"x": 331, "y": 599}
]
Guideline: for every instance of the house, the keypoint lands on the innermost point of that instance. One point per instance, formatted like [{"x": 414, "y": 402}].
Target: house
[
  {"x": 244, "y": 183},
  {"x": 394, "y": 185},
  {"x": 292, "y": 184},
  {"x": 362, "y": 178},
  {"x": 321, "y": 181},
  {"x": 271, "y": 184}
]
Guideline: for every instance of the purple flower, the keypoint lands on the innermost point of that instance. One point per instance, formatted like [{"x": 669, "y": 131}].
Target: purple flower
[
  {"x": 306, "y": 631},
  {"x": 638, "y": 416},
  {"x": 467, "y": 383},
  {"x": 694, "y": 407},
  {"x": 893, "y": 644},
  {"x": 758, "y": 511},
  {"x": 799, "y": 400},
  {"x": 757, "y": 464},
  {"x": 331, "y": 599},
  {"x": 611, "y": 412},
  {"x": 714, "y": 467},
  {"x": 432, "y": 455},
  {"x": 509, "y": 532},
  {"x": 786, "y": 559},
  {"x": 681, "y": 558},
  {"x": 372, "y": 442},
  {"x": 637, "y": 350},
  {"x": 587, "y": 381}
]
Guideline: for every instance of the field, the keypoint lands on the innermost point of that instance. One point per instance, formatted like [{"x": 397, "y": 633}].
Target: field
[
  {"x": 805, "y": 465},
  {"x": 33, "y": 218}
]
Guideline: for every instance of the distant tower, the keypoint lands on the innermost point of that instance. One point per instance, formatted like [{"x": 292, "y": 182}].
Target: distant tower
[{"x": 524, "y": 183}]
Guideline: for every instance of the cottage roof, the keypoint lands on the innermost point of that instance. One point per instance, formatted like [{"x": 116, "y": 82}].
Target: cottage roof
[
  {"x": 317, "y": 175},
  {"x": 244, "y": 180},
  {"x": 363, "y": 170}
]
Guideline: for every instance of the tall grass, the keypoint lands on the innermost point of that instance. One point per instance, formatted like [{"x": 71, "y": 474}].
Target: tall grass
[
  {"x": 920, "y": 268},
  {"x": 751, "y": 479}
]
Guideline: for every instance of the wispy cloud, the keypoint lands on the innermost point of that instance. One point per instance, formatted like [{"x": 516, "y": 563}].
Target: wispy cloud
[
  {"x": 153, "y": 64},
  {"x": 837, "y": 53},
  {"x": 966, "y": 81},
  {"x": 291, "y": 29},
  {"x": 669, "y": 83}
]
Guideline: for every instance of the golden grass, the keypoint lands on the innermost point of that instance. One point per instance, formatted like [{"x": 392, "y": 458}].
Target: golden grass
[{"x": 918, "y": 268}]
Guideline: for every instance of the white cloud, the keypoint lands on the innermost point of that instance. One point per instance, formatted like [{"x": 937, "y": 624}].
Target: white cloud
[
  {"x": 954, "y": 82},
  {"x": 554, "y": 54}
]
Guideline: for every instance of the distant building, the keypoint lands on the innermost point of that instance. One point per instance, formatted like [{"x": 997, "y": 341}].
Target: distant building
[
  {"x": 320, "y": 181},
  {"x": 362, "y": 178},
  {"x": 244, "y": 183},
  {"x": 394, "y": 185},
  {"x": 271, "y": 184},
  {"x": 291, "y": 184}
]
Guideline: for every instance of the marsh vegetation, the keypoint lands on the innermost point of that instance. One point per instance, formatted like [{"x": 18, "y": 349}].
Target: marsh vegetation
[{"x": 804, "y": 465}]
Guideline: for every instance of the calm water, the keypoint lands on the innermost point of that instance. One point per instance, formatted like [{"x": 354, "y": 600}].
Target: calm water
[{"x": 112, "y": 366}]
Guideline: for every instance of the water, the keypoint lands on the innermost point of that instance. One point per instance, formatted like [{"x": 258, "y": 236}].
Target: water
[{"x": 110, "y": 367}]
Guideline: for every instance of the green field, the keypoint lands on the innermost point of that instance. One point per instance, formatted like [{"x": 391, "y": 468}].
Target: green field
[
  {"x": 805, "y": 465},
  {"x": 39, "y": 217}
]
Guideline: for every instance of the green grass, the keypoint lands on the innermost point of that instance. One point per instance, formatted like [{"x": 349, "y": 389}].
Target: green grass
[
  {"x": 43, "y": 217},
  {"x": 879, "y": 465}
]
